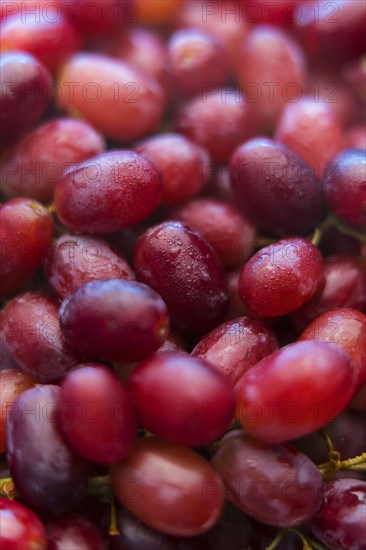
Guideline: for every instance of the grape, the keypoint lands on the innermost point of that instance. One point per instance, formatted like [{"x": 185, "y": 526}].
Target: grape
[
  {"x": 358, "y": 403},
  {"x": 157, "y": 12},
  {"x": 222, "y": 225},
  {"x": 345, "y": 327},
  {"x": 31, "y": 333},
  {"x": 26, "y": 231},
  {"x": 47, "y": 35},
  {"x": 181, "y": 398},
  {"x": 97, "y": 415},
  {"x": 340, "y": 522},
  {"x": 33, "y": 167},
  {"x": 344, "y": 185},
  {"x": 109, "y": 192},
  {"x": 75, "y": 260},
  {"x": 99, "y": 17},
  {"x": 282, "y": 13},
  {"x": 235, "y": 346},
  {"x": 125, "y": 104},
  {"x": 74, "y": 533},
  {"x": 179, "y": 264},
  {"x": 274, "y": 188},
  {"x": 294, "y": 391},
  {"x": 49, "y": 476},
  {"x": 344, "y": 286},
  {"x": 355, "y": 137},
  {"x": 281, "y": 277},
  {"x": 12, "y": 383},
  {"x": 184, "y": 165},
  {"x": 271, "y": 72},
  {"x": 305, "y": 126},
  {"x": 217, "y": 120},
  {"x": 169, "y": 487},
  {"x": 276, "y": 484},
  {"x": 114, "y": 319},
  {"x": 194, "y": 59},
  {"x": 24, "y": 94},
  {"x": 20, "y": 528}
]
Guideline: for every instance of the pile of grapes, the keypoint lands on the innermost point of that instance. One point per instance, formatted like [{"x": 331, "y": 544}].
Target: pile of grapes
[{"x": 182, "y": 280}]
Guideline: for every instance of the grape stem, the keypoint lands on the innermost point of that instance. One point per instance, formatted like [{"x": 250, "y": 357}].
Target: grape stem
[
  {"x": 341, "y": 226},
  {"x": 308, "y": 543},
  {"x": 330, "y": 468}
]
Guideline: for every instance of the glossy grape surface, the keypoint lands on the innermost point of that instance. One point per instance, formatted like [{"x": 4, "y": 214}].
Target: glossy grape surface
[
  {"x": 294, "y": 391},
  {"x": 288, "y": 493},
  {"x": 184, "y": 269},
  {"x": 281, "y": 277},
  {"x": 114, "y": 319},
  {"x": 340, "y": 522},
  {"x": 26, "y": 231},
  {"x": 74, "y": 532},
  {"x": 125, "y": 104},
  {"x": 235, "y": 346},
  {"x": 25, "y": 93},
  {"x": 274, "y": 188},
  {"x": 184, "y": 166},
  {"x": 74, "y": 260},
  {"x": 31, "y": 333},
  {"x": 100, "y": 17},
  {"x": 20, "y": 528},
  {"x": 97, "y": 415},
  {"x": 32, "y": 168},
  {"x": 109, "y": 192},
  {"x": 49, "y": 476},
  {"x": 181, "y": 398},
  {"x": 169, "y": 487},
  {"x": 344, "y": 184}
]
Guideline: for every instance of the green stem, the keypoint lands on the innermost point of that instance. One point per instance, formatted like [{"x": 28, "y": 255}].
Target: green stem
[{"x": 276, "y": 541}]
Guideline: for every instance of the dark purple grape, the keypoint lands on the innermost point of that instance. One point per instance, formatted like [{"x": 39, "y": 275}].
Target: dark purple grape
[
  {"x": 75, "y": 260},
  {"x": 97, "y": 415},
  {"x": 24, "y": 94},
  {"x": 107, "y": 193},
  {"x": 74, "y": 533},
  {"x": 340, "y": 522},
  {"x": 20, "y": 528},
  {"x": 114, "y": 320},
  {"x": 275, "y": 189},
  {"x": 31, "y": 334},
  {"x": 344, "y": 184},
  {"x": 179, "y": 264},
  {"x": 49, "y": 476},
  {"x": 276, "y": 485}
]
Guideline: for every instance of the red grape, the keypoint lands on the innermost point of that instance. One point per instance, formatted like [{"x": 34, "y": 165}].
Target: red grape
[
  {"x": 20, "y": 528},
  {"x": 31, "y": 333},
  {"x": 217, "y": 120},
  {"x": 344, "y": 184},
  {"x": 184, "y": 165},
  {"x": 26, "y": 231},
  {"x": 114, "y": 319},
  {"x": 281, "y": 277},
  {"x": 179, "y": 264},
  {"x": 97, "y": 415},
  {"x": 74, "y": 533},
  {"x": 355, "y": 137},
  {"x": 347, "y": 328},
  {"x": 49, "y": 476},
  {"x": 223, "y": 226},
  {"x": 182, "y": 398},
  {"x": 75, "y": 260},
  {"x": 169, "y": 487},
  {"x": 294, "y": 391},
  {"x": 109, "y": 192},
  {"x": 274, "y": 188},
  {"x": 124, "y": 104},
  {"x": 233, "y": 347},
  {"x": 276, "y": 485},
  {"x": 340, "y": 522},
  {"x": 33, "y": 167},
  {"x": 12, "y": 383},
  {"x": 24, "y": 95},
  {"x": 98, "y": 17},
  {"x": 45, "y": 34}
]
